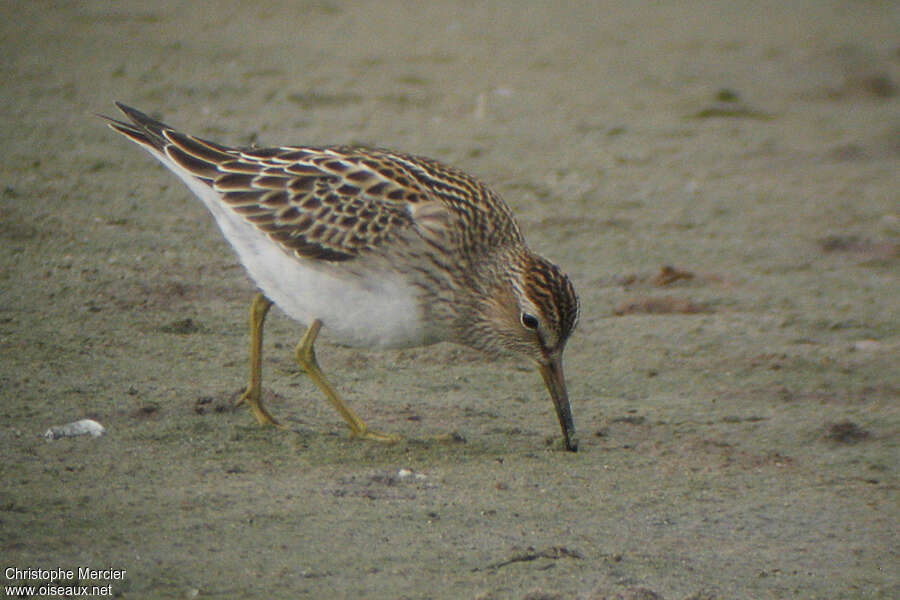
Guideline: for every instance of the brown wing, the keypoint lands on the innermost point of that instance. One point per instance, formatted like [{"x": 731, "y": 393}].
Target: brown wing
[
  {"x": 324, "y": 203},
  {"x": 333, "y": 203},
  {"x": 317, "y": 202}
]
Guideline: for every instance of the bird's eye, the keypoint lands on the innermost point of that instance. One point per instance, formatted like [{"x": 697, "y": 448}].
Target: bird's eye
[{"x": 529, "y": 321}]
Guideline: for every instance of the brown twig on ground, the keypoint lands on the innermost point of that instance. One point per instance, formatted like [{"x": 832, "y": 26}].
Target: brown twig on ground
[{"x": 553, "y": 552}]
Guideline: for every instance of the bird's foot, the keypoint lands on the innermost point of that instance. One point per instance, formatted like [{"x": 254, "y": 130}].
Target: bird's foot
[
  {"x": 376, "y": 436},
  {"x": 251, "y": 397}
]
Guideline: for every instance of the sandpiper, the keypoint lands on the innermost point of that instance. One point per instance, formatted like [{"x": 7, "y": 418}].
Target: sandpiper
[{"x": 380, "y": 248}]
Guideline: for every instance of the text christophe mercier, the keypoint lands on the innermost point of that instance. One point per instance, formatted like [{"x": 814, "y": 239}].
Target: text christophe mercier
[{"x": 64, "y": 575}]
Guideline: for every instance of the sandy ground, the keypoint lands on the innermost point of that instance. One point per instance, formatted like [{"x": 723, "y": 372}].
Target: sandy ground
[{"x": 738, "y": 413}]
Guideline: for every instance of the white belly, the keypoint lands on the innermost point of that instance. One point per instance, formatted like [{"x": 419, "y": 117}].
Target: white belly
[{"x": 375, "y": 312}]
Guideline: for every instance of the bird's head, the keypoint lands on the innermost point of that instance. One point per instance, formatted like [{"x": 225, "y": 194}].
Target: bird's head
[{"x": 532, "y": 309}]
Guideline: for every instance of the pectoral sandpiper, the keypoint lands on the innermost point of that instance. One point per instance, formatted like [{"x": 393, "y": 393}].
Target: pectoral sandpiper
[{"x": 382, "y": 249}]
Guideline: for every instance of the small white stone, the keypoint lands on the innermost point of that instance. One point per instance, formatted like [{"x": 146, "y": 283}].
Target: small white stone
[
  {"x": 403, "y": 474},
  {"x": 76, "y": 428},
  {"x": 866, "y": 345}
]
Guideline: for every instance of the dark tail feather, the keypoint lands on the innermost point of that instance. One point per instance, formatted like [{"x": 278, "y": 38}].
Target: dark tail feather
[
  {"x": 143, "y": 129},
  {"x": 150, "y": 132},
  {"x": 144, "y": 122}
]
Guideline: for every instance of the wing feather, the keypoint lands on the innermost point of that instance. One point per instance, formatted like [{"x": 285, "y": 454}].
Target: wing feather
[{"x": 333, "y": 203}]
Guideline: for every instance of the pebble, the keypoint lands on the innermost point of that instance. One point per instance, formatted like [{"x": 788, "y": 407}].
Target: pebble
[
  {"x": 403, "y": 474},
  {"x": 76, "y": 428},
  {"x": 866, "y": 345}
]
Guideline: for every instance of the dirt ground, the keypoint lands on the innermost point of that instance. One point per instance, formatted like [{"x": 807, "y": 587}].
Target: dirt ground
[{"x": 720, "y": 180}]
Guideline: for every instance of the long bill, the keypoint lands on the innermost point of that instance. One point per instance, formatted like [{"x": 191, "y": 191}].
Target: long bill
[{"x": 552, "y": 372}]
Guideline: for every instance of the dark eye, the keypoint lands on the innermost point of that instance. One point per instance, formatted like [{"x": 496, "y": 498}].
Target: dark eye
[{"x": 529, "y": 321}]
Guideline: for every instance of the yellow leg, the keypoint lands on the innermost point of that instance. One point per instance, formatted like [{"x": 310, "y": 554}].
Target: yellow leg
[
  {"x": 306, "y": 356},
  {"x": 253, "y": 395}
]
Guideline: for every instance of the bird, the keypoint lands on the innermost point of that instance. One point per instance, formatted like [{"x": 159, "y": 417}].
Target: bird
[{"x": 380, "y": 249}]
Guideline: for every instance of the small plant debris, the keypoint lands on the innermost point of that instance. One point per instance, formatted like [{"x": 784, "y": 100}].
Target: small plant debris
[
  {"x": 660, "y": 306},
  {"x": 728, "y": 103},
  {"x": 846, "y": 432},
  {"x": 145, "y": 410},
  {"x": 182, "y": 327},
  {"x": 553, "y": 553},
  {"x": 863, "y": 248},
  {"x": 630, "y": 419},
  {"x": 668, "y": 275}
]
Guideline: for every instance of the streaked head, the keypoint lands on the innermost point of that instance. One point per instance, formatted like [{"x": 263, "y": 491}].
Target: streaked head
[{"x": 533, "y": 310}]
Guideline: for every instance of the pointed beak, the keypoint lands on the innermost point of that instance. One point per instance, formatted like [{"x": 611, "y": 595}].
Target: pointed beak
[{"x": 552, "y": 373}]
